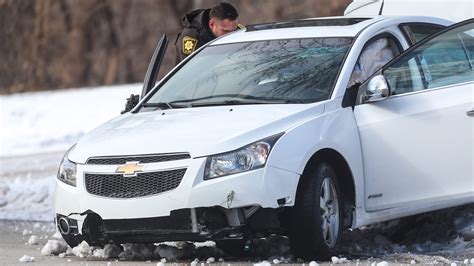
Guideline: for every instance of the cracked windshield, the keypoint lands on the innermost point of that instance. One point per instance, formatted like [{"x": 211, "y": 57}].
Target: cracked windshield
[{"x": 261, "y": 72}]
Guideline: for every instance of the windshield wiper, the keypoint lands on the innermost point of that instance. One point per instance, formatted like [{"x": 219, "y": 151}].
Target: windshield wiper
[
  {"x": 161, "y": 105},
  {"x": 243, "y": 102},
  {"x": 164, "y": 105},
  {"x": 236, "y": 99}
]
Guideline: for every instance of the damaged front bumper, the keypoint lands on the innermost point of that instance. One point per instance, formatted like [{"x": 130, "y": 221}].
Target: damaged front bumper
[
  {"x": 200, "y": 224},
  {"x": 194, "y": 210}
]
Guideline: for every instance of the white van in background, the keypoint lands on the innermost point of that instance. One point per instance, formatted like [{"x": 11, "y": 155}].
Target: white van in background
[{"x": 454, "y": 10}]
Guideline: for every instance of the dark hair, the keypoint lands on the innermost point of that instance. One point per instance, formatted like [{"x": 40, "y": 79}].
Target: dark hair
[{"x": 223, "y": 11}]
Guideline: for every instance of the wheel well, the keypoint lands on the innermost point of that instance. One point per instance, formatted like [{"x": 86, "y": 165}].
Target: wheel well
[{"x": 344, "y": 176}]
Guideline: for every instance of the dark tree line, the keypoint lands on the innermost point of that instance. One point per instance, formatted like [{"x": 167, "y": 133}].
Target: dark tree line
[{"x": 52, "y": 44}]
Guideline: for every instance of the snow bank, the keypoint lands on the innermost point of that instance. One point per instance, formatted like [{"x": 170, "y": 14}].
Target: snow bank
[
  {"x": 40, "y": 122},
  {"x": 27, "y": 199}
]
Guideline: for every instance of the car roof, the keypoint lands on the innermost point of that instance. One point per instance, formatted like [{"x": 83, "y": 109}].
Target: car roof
[{"x": 307, "y": 28}]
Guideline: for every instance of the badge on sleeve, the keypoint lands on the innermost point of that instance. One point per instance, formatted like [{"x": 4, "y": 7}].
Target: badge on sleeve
[{"x": 189, "y": 44}]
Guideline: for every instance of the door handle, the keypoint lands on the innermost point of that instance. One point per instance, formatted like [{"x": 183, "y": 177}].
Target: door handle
[{"x": 470, "y": 113}]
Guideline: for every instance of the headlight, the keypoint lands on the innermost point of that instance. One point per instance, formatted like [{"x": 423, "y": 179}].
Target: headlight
[
  {"x": 67, "y": 169},
  {"x": 248, "y": 158}
]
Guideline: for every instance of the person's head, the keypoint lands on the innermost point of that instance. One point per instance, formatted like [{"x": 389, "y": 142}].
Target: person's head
[{"x": 222, "y": 19}]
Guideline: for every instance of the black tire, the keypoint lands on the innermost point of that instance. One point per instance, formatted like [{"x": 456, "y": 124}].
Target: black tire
[
  {"x": 71, "y": 240},
  {"x": 308, "y": 240},
  {"x": 233, "y": 248}
]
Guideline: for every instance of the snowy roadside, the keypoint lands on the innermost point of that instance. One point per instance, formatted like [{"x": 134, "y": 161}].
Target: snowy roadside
[
  {"x": 36, "y": 130},
  {"x": 40, "y": 122}
]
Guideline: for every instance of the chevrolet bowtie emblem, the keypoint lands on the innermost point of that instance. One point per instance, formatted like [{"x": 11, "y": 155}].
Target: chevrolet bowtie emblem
[{"x": 130, "y": 168}]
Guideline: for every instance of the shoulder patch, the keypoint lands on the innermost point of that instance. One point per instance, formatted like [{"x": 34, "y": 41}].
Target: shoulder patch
[{"x": 189, "y": 44}]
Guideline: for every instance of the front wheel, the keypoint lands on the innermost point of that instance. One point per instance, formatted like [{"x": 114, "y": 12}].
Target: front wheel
[{"x": 317, "y": 215}]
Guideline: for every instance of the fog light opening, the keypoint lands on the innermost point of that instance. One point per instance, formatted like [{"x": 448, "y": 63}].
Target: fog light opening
[{"x": 63, "y": 225}]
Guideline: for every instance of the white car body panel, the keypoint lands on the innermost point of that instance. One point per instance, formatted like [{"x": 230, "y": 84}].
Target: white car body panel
[
  {"x": 409, "y": 156},
  {"x": 454, "y": 10},
  {"x": 308, "y": 128},
  {"x": 220, "y": 129}
]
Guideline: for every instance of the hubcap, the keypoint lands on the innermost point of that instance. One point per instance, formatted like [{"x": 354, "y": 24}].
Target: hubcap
[{"x": 329, "y": 209}]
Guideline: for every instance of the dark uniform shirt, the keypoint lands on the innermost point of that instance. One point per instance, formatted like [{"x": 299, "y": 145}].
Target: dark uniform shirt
[{"x": 195, "y": 34}]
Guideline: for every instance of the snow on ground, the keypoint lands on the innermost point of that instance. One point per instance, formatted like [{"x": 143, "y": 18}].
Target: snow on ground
[
  {"x": 36, "y": 125},
  {"x": 41, "y": 122},
  {"x": 27, "y": 198}
]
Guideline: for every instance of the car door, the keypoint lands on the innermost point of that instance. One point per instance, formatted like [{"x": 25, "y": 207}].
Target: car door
[
  {"x": 150, "y": 76},
  {"x": 417, "y": 139}
]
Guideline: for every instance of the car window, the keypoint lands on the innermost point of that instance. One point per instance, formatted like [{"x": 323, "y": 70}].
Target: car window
[
  {"x": 416, "y": 32},
  {"x": 443, "y": 60},
  {"x": 375, "y": 54}
]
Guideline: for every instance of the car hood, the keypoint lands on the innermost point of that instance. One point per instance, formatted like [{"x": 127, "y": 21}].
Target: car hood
[{"x": 199, "y": 131}]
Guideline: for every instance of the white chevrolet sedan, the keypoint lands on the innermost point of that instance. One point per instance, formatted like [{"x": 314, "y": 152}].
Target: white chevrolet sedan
[{"x": 302, "y": 128}]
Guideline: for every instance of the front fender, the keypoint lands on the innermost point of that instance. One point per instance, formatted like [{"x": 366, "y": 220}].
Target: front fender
[{"x": 334, "y": 129}]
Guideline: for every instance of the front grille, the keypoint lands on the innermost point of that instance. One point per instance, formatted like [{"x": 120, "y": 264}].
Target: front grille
[
  {"x": 144, "y": 184},
  {"x": 153, "y": 158}
]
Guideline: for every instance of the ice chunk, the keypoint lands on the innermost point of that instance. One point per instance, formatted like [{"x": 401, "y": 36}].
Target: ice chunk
[
  {"x": 112, "y": 251},
  {"x": 205, "y": 244},
  {"x": 210, "y": 260},
  {"x": 57, "y": 235},
  {"x": 82, "y": 250},
  {"x": 174, "y": 253},
  {"x": 337, "y": 260},
  {"x": 33, "y": 240},
  {"x": 99, "y": 253},
  {"x": 313, "y": 263},
  {"x": 137, "y": 252},
  {"x": 383, "y": 263},
  {"x": 26, "y": 258},
  {"x": 54, "y": 247}
]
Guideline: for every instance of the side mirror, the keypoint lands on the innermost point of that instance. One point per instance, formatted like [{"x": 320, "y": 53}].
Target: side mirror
[
  {"x": 377, "y": 89},
  {"x": 132, "y": 101}
]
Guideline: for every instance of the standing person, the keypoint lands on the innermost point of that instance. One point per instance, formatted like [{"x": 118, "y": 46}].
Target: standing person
[{"x": 204, "y": 25}]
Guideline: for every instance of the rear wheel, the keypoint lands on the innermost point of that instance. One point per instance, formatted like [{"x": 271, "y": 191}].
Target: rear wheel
[{"x": 317, "y": 215}]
